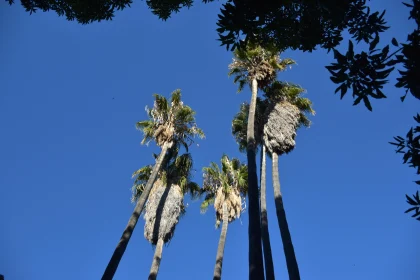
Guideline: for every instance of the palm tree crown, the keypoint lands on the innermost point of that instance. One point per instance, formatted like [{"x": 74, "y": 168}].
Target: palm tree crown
[
  {"x": 291, "y": 93},
  {"x": 228, "y": 184},
  {"x": 175, "y": 175},
  {"x": 255, "y": 62},
  {"x": 170, "y": 122},
  {"x": 240, "y": 122},
  {"x": 287, "y": 111}
]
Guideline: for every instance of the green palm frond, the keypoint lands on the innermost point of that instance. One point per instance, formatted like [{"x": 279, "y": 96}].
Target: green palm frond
[
  {"x": 239, "y": 126},
  {"x": 241, "y": 85},
  {"x": 194, "y": 190},
  {"x": 240, "y": 123},
  {"x": 176, "y": 97},
  {"x": 208, "y": 200},
  {"x": 141, "y": 177},
  {"x": 161, "y": 104},
  {"x": 148, "y": 129}
]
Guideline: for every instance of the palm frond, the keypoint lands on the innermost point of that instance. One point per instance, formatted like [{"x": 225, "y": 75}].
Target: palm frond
[
  {"x": 176, "y": 97},
  {"x": 208, "y": 200},
  {"x": 194, "y": 190},
  {"x": 141, "y": 176}
]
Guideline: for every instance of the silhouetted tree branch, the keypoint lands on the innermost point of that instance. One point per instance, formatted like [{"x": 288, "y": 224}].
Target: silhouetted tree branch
[{"x": 410, "y": 148}]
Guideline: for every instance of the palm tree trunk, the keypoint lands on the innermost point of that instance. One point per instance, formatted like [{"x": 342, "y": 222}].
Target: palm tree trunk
[
  {"x": 128, "y": 231},
  {"x": 268, "y": 258},
  {"x": 156, "y": 260},
  {"x": 256, "y": 268},
  {"x": 221, "y": 248},
  {"x": 289, "y": 251}
]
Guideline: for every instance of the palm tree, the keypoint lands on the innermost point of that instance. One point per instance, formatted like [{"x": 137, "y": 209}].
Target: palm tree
[
  {"x": 257, "y": 67},
  {"x": 165, "y": 205},
  {"x": 286, "y": 113},
  {"x": 239, "y": 128},
  {"x": 170, "y": 123},
  {"x": 225, "y": 188}
]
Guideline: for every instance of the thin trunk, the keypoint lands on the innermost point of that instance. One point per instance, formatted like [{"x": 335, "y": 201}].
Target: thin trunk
[
  {"x": 156, "y": 260},
  {"x": 256, "y": 267},
  {"x": 128, "y": 231},
  {"x": 221, "y": 248},
  {"x": 268, "y": 258},
  {"x": 289, "y": 251}
]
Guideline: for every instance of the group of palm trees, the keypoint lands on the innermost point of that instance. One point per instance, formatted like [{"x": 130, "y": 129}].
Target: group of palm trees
[{"x": 268, "y": 124}]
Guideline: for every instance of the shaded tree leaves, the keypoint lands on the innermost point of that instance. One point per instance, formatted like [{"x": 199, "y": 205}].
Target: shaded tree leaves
[
  {"x": 410, "y": 148},
  {"x": 366, "y": 72}
]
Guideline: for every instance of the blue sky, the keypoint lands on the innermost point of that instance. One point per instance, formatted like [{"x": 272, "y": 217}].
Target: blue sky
[{"x": 69, "y": 99}]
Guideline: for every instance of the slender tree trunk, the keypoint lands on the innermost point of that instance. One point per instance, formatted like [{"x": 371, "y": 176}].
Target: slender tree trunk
[
  {"x": 128, "y": 231},
  {"x": 156, "y": 260},
  {"x": 256, "y": 267},
  {"x": 289, "y": 251},
  {"x": 221, "y": 248},
  {"x": 268, "y": 258}
]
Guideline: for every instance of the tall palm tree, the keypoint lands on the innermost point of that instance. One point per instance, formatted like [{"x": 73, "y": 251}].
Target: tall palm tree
[
  {"x": 257, "y": 67},
  {"x": 239, "y": 128},
  {"x": 169, "y": 123},
  {"x": 225, "y": 188},
  {"x": 286, "y": 113},
  {"x": 165, "y": 205}
]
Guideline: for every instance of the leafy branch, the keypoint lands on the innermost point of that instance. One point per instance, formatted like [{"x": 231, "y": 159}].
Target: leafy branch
[{"x": 410, "y": 148}]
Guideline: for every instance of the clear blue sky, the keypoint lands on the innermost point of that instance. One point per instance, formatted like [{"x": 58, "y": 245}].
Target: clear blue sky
[{"x": 67, "y": 151}]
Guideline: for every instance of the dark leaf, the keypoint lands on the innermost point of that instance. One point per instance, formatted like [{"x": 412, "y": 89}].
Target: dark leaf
[
  {"x": 408, "y": 5},
  {"x": 410, "y": 200},
  {"x": 411, "y": 209},
  {"x": 416, "y": 214},
  {"x": 336, "y": 80},
  {"x": 350, "y": 52},
  {"x": 343, "y": 90},
  {"x": 394, "y": 42},
  {"x": 410, "y": 135},
  {"x": 392, "y": 62},
  {"x": 367, "y": 103},
  {"x": 357, "y": 101},
  {"x": 374, "y": 42},
  {"x": 340, "y": 58}
]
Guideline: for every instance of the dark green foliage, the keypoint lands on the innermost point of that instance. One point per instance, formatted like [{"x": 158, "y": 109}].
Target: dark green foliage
[
  {"x": 86, "y": 11},
  {"x": 410, "y": 148},
  {"x": 415, "y": 201},
  {"x": 302, "y": 25},
  {"x": 366, "y": 72},
  {"x": 290, "y": 24}
]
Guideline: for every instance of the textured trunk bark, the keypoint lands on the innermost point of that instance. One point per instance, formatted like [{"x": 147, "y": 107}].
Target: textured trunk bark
[
  {"x": 289, "y": 251},
  {"x": 221, "y": 248},
  {"x": 268, "y": 258},
  {"x": 156, "y": 260},
  {"x": 128, "y": 231},
  {"x": 256, "y": 267}
]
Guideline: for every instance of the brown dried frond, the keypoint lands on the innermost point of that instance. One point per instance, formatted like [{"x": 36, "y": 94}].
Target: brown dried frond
[
  {"x": 280, "y": 129},
  {"x": 233, "y": 202},
  {"x": 162, "y": 213},
  {"x": 164, "y": 133}
]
